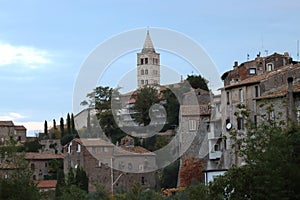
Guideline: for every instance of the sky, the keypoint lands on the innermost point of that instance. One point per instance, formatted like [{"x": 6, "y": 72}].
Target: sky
[{"x": 43, "y": 44}]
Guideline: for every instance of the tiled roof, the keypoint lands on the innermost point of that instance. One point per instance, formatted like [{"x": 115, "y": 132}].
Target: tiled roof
[
  {"x": 137, "y": 150},
  {"x": 258, "y": 78},
  {"x": 6, "y": 123},
  {"x": 42, "y": 156},
  {"x": 8, "y": 165},
  {"x": 47, "y": 184},
  {"x": 280, "y": 92},
  {"x": 20, "y": 128},
  {"x": 93, "y": 142}
]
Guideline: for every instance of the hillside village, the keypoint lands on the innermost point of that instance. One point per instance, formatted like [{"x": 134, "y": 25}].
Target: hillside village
[{"x": 265, "y": 88}]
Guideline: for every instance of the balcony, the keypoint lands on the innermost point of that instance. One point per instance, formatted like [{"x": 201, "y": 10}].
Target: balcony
[{"x": 215, "y": 155}]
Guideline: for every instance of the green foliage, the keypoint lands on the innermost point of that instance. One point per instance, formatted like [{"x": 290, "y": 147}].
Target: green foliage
[
  {"x": 68, "y": 124},
  {"x": 172, "y": 108},
  {"x": 193, "y": 192},
  {"x": 32, "y": 146},
  {"x": 75, "y": 186},
  {"x": 271, "y": 153},
  {"x": 73, "y": 192},
  {"x": 19, "y": 186},
  {"x": 145, "y": 98},
  {"x": 100, "y": 194},
  {"x": 169, "y": 175},
  {"x": 197, "y": 81},
  {"x": 62, "y": 127},
  {"x": 66, "y": 139}
]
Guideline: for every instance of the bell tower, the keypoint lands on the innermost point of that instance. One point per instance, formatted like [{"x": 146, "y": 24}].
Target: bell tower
[{"x": 148, "y": 65}]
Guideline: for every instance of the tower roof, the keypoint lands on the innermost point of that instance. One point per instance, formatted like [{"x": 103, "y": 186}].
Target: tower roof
[{"x": 148, "y": 45}]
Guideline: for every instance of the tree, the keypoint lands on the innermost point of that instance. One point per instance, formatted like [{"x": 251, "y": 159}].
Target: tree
[
  {"x": 197, "y": 82},
  {"x": 46, "y": 128},
  {"x": 32, "y": 146},
  {"x": 54, "y": 124},
  {"x": 62, "y": 127},
  {"x": 68, "y": 124},
  {"x": 272, "y": 157},
  {"x": 101, "y": 100},
  {"x": 19, "y": 184},
  {"x": 144, "y": 99},
  {"x": 73, "y": 128},
  {"x": 169, "y": 175}
]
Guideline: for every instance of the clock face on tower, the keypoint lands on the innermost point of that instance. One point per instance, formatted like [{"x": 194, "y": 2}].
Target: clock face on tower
[{"x": 228, "y": 126}]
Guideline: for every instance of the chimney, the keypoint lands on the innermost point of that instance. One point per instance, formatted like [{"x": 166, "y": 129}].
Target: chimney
[
  {"x": 236, "y": 64},
  {"x": 291, "y": 104}
]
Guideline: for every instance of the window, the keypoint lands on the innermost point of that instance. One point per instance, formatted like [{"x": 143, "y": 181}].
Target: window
[
  {"x": 216, "y": 147},
  {"x": 272, "y": 115},
  {"x": 240, "y": 123},
  {"x": 78, "y": 147},
  {"x": 46, "y": 164},
  {"x": 252, "y": 71},
  {"x": 269, "y": 67},
  {"x": 146, "y": 60},
  {"x": 142, "y": 82},
  {"x": 142, "y": 61},
  {"x": 256, "y": 91},
  {"x": 93, "y": 149},
  {"x": 192, "y": 125},
  {"x": 241, "y": 94},
  {"x": 32, "y": 167},
  {"x": 142, "y": 72},
  {"x": 298, "y": 115},
  {"x": 146, "y": 71},
  {"x": 143, "y": 180},
  {"x": 70, "y": 148},
  {"x": 155, "y": 72},
  {"x": 141, "y": 167},
  {"x": 227, "y": 97},
  {"x": 146, "y": 82}
]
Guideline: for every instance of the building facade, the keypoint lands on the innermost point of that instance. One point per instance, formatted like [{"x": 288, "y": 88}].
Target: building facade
[
  {"x": 245, "y": 88},
  {"x": 130, "y": 164},
  {"x": 8, "y": 130}
]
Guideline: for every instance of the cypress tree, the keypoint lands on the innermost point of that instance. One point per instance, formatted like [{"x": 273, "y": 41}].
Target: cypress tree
[
  {"x": 73, "y": 131},
  {"x": 46, "y": 128},
  {"x": 62, "y": 128},
  {"x": 68, "y": 124},
  {"x": 54, "y": 124}
]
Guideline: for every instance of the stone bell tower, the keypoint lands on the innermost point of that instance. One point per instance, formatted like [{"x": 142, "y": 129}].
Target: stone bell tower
[{"x": 148, "y": 65}]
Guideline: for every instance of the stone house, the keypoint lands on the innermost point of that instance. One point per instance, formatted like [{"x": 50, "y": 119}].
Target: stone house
[
  {"x": 244, "y": 87},
  {"x": 40, "y": 164},
  {"x": 9, "y": 130},
  {"x": 116, "y": 168}
]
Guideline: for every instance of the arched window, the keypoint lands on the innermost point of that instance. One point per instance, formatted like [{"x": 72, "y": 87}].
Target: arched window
[
  {"x": 142, "y": 72},
  {"x": 146, "y": 71},
  {"x": 32, "y": 167}
]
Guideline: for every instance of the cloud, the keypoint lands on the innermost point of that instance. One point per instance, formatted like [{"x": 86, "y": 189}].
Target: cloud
[
  {"x": 11, "y": 116},
  {"x": 28, "y": 56}
]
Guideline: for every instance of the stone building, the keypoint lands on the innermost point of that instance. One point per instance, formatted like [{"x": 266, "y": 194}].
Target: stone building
[
  {"x": 148, "y": 65},
  {"x": 194, "y": 123},
  {"x": 9, "y": 130},
  {"x": 245, "y": 86},
  {"x": 40, "y": 164},
  {"x": 130, "y": 164}
]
